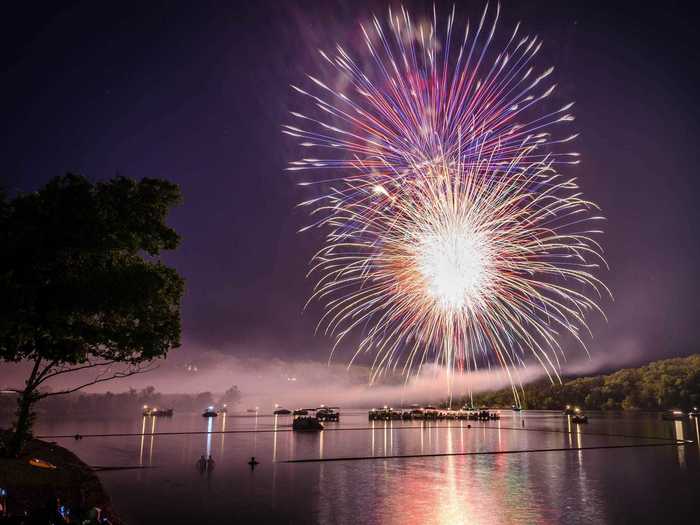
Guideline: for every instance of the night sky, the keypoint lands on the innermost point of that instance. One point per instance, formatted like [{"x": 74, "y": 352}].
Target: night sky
[{"x": 196, "y": 93}]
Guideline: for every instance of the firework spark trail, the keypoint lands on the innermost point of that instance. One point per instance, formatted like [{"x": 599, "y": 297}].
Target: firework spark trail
[{"x": 451, "y": 234}]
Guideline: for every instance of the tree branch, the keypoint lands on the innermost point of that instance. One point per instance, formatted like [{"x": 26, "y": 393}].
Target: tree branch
[
  {"x": 101, "y": 379},
  {"x": 64, "y": 370}
]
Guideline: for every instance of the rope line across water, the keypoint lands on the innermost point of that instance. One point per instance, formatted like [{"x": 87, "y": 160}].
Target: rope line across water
[
  {"x": 381, "y": 428},
  {"x": 484, "y": 453}
]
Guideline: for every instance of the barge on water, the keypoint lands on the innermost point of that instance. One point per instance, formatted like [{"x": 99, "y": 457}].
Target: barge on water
[
  {"x": 306, "y": 424},
  {"x": 431, "y": 413},
  {"x": 385, "y": 414}
]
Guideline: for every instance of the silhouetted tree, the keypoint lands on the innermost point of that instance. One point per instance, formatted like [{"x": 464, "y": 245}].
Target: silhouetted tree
[
  {"x": 231, "y": 396},
  {"x": 81, "y": 287}
]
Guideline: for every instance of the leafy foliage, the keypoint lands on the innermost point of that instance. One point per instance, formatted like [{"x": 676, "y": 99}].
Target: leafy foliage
[
  {"x": 669, "y": 383},
  {"x": 81, "y": 285}
]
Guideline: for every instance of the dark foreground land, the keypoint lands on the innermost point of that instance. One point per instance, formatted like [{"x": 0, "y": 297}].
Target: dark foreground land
[{"x": 31, "y": 490}]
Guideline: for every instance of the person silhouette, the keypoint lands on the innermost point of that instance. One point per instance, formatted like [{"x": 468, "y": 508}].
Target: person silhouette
[
  {"x": 210, "y": 464},
  {"x": 253, "y": 463},
  {"x": 202, "y": 464}
]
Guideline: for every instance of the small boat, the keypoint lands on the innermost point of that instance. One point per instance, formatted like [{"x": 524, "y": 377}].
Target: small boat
[
  {"x": 307, "y": 423},
  {"x": 578, "y": 417},
  {"x": 300, "y": 412},
  {"x": 223, "y": 409},
  {"x": 282, "y": 412},
  {"x": 694, "y": 413},
  {"x": 569, "y": 410},
  {"x": 516, "y": 408},
  {"x": 252, "y": 410},
  {"x": 673, "y": 415},
  {"x": 157, "y": 412},
  {"x": 210, "y": 412},
  {"x": 324, "y": 413},
  {"x": 485, "y": 415}
]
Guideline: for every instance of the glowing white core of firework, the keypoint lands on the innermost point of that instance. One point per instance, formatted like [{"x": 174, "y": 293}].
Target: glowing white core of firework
[{"x": 453, "y": 262}]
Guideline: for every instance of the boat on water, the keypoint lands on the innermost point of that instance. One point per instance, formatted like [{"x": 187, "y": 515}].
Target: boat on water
[
  {"x": 223, "y": 409},
  {"x": 157, "y": 412},
  {"x": 674, "y": 415},
  {"x": 485, "y": 415},
  {"x": 300, "y": 412},
  {"x": 416, "y": 413},
  {"x": 324, "y": 413},
  {"x": 385, "y": 414},
  {"x": 569, "y": 410},
  {"x": 516, "y": 408},
  {"x": 210, "y": 412},
  {"x": 282, "y": 412},
  {"x": 576, "y": 415},
  {"x": 579, "y": 417},
  {"x": 306, "y": 424},
  {"x": 694, "y": 413},
  {"x": 252, "y": 410}
]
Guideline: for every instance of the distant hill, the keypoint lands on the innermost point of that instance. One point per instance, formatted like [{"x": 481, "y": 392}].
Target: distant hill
[{"x": 669, "y": 383}]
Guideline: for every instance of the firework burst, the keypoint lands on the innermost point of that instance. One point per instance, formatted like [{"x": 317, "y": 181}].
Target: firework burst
[{"x": 452, "y": 237}]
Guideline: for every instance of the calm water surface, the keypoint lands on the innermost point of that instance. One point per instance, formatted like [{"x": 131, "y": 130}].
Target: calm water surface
[{"x": 658, "y": 484}]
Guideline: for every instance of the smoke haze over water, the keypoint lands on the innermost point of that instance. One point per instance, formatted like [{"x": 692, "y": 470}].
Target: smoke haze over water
[{"x": 264, "y": 382}]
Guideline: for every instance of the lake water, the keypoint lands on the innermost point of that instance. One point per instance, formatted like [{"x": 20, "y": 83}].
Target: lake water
[{"x": 654, "y": 484}]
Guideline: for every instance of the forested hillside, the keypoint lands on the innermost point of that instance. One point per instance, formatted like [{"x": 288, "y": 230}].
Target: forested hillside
[{"x": 670, "y": 383}]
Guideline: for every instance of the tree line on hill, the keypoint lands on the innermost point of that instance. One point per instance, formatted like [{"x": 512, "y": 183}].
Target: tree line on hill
[
  {"x": 660, "y": 385},
  {"x": 130, "y": 402}
]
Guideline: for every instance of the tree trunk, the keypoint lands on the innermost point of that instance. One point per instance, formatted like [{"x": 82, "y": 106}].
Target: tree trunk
[{"x": 22, "y": 429}]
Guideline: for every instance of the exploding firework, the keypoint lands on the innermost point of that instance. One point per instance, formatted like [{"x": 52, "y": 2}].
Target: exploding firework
[{"x": 452, "y": 236}]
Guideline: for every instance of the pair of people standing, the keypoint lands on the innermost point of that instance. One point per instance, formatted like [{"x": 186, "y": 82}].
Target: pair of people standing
[{"x": 205, "y": 464}]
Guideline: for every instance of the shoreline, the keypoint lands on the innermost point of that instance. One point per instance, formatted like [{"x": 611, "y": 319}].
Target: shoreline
[{"x": 29, "y": 488}]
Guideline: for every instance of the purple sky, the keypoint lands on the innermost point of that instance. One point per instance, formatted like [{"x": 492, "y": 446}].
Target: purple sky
[{"x": 196, "y": 93}]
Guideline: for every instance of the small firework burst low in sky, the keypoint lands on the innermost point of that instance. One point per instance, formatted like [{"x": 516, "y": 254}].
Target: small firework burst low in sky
[{"x": 453, "y": 234}]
